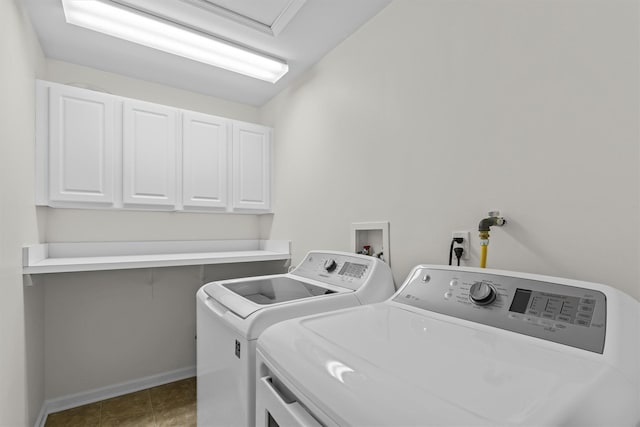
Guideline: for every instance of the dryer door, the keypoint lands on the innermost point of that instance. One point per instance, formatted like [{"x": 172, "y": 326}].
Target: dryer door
[{"x": 276, "y": 406}]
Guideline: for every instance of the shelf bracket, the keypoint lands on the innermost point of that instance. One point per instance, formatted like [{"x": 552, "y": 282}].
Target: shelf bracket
[{"x": 27, "y": 280}]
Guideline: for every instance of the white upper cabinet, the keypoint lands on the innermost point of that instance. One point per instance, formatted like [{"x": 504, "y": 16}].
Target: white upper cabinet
[
  {"x": 251, "y": 166},
  {"x": 102, "y": 151},
  {"x": 205, "y": 141},
  {"x": 81, "y": 145},
  {"x": 149, "y": 145}
]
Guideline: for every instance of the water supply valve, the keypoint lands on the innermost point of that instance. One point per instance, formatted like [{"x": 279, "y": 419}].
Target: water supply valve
[{"x": 494, "y": 219}]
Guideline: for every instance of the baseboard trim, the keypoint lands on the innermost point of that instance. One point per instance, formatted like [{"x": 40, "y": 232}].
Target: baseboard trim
[
  {"x": 42, "y": 416},
  {"x": 90, "y": 396}
]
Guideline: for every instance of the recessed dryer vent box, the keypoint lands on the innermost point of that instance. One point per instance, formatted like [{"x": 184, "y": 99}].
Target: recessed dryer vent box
[{"x": 375, "y": 235}]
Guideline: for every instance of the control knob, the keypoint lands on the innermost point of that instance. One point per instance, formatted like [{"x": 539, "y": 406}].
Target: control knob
[
  {"x": 482, "y": 293},
  {"x": 330, "y": 265}
]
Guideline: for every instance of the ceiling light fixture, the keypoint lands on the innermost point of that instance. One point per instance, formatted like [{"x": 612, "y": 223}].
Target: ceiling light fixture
[{"x": 150, "y": 31}]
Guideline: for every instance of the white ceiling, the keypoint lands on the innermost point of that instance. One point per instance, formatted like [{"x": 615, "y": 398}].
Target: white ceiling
[{"x": 298, "y": 31}]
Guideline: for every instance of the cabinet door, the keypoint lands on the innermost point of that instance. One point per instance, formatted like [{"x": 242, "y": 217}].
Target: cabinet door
[
  {"x": 81, "y": 146},
  {"x": 204, "y": 166},
  {"x": 251, "y": 166},
  {"x": 149, "y": 154}
]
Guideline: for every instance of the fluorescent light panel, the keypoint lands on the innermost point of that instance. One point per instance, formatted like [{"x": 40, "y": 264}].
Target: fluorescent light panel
[{"x": 142, "y": 29}]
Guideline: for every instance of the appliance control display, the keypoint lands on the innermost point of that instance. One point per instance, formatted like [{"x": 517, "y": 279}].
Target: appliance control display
[
  {"x": 562, "y": 308},
  {"x": 344, "y": 270},
  {"x": 551, "y": 309},
  {"x": 353, "y": 270}
]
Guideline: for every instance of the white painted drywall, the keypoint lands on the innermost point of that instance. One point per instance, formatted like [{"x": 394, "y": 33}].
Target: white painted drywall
[
  {"x": 80, "y": 225},
  {"x": 116, "y": 84},
  {"x": 109, "y": 327},
  {"x": 21, "y": 314},
  {"x": 436, "y": 112}
]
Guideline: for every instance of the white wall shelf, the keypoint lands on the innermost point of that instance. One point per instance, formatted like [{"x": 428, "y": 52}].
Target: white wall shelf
[{"x": 94, "y": 256}]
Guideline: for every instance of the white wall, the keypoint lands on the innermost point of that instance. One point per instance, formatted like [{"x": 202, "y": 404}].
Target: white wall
[
  {"x": 436, "y": 112},
  {"x": 116, "y": 84},
  {"x": 21, "y": 319}
]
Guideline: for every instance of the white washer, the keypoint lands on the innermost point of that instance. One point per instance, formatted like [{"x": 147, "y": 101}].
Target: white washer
[
  {"x": 231, "y": 314},
  {"x": 459, "y": 346}
]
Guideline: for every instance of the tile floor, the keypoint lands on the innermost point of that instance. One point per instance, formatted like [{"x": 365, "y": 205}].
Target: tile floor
[{"x": 172, "y": 404}]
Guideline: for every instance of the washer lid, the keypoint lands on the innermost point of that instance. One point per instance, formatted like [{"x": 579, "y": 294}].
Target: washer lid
[
  {"x": 386, "y": 365},
  {"x": 244, "y": 297}
]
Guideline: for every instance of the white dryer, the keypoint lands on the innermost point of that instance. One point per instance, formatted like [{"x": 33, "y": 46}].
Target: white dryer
[
  {"x": 459, "y": 346},
  {"x": 232, "y": 314}
]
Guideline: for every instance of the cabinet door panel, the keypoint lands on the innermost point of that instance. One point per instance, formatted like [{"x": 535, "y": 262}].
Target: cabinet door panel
[
  {"x": 149, "y": 154},
  {"x": 204, "y": 168},
  {"x": 251, "y": 166},
  {"x": 81, "y": 146}
]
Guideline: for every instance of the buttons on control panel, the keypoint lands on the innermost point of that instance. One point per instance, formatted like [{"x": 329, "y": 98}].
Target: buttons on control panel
[
  {"x": 353, "y": 270},
  {"x": 553, "y": 311},
  {"x": 350, "y": 272},
  {"x": 585, "y": 308}
]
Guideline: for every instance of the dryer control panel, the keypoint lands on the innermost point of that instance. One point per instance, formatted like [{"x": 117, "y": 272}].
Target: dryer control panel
[
  {"x": 345, "y": 270},
  {"x": 551, "y": 310}
]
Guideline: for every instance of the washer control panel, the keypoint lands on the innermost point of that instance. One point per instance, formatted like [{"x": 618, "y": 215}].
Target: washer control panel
[
  {"x": 570, "y": 315},
  {"x": 350, "y": 271}
]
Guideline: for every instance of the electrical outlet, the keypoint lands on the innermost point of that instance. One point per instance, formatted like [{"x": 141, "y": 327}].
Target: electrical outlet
[{"x": 465, "y": 242}]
